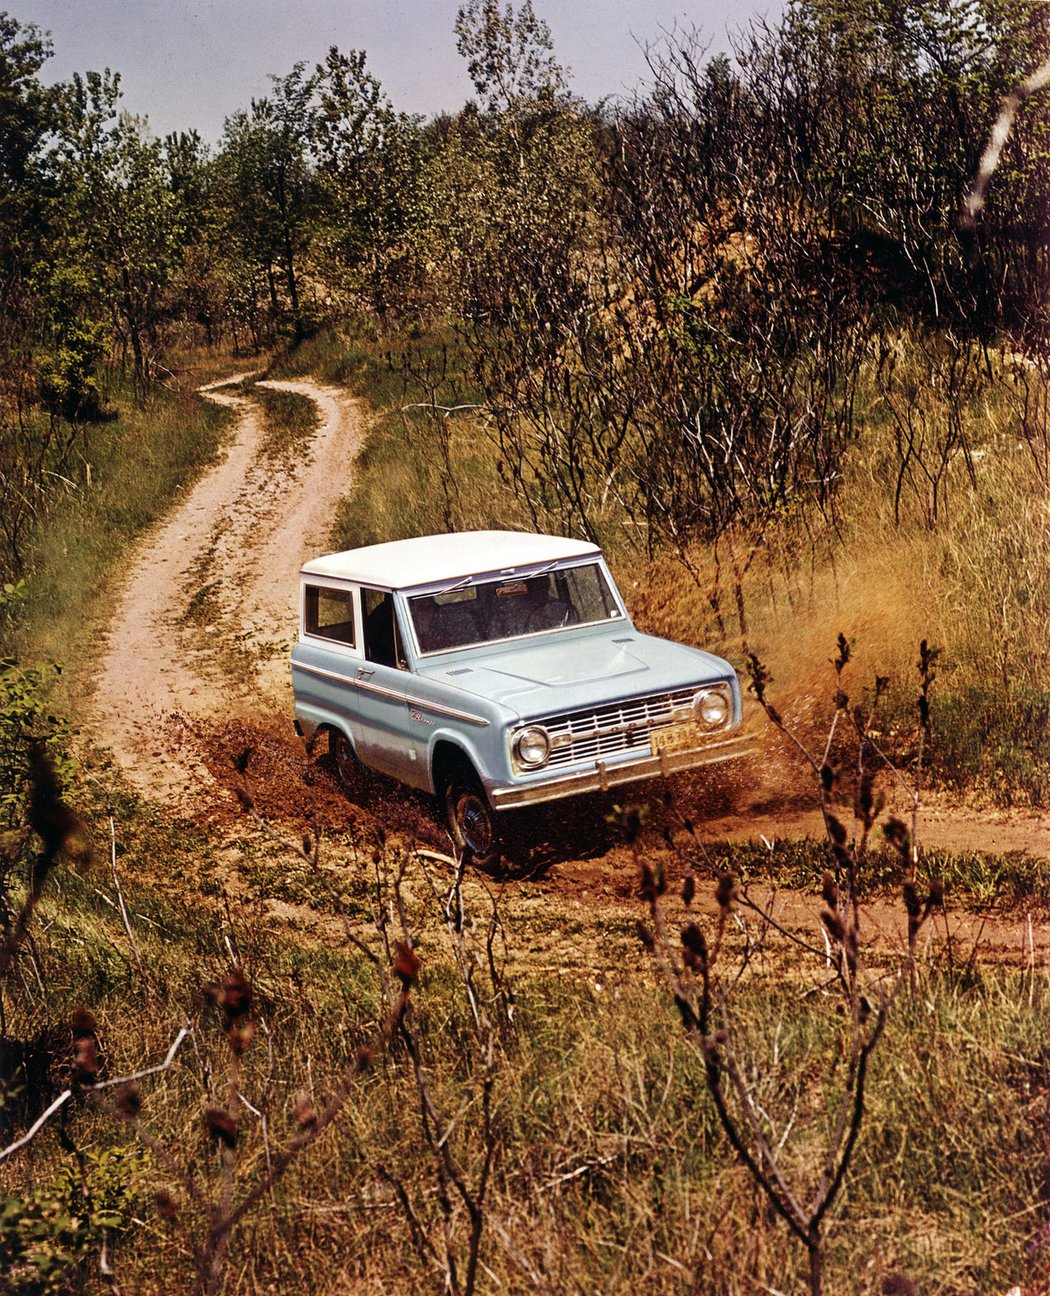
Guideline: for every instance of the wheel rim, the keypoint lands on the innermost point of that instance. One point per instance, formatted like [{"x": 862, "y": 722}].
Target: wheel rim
[{"x": 473, "y": 823}]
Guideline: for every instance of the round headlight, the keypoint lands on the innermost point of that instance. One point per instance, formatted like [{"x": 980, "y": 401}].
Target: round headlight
[
  {"x": 532, "y": 746},
  {"x": 712, "y": 708}
]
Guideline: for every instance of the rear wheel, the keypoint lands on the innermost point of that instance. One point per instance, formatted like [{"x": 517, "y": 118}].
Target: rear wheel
[
  {"x": 345, "y": 758},
  {"x": 471, "y": 820}
]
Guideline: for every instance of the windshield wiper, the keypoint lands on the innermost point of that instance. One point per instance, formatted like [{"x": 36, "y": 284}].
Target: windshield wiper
[
  {"x": 458, "y": 585},
  {"x": 469, "y": 580}
]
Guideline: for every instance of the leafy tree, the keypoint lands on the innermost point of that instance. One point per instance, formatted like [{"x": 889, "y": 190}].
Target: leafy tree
[
  {"x": 509, "y": 53},
  {"x": 115, "y": 216},
  {"x": 201, "y": 286},
  {"x": 513, "y": 185},
  {"x": 368, "y": 161},
  {"x": 268, "y": 189},
  {"x": 896, "y": 102},
  {"x": 27, "y": 112},
  {"x": 33, "y": 451}
]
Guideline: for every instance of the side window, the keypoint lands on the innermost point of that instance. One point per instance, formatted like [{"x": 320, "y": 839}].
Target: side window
[
  {"x": 329, "y": 613},
  {"x": 382, "y": 641}
]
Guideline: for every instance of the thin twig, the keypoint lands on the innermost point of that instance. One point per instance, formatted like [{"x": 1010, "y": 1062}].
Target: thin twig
[
  {"x": 997, "y": 137},
  {"x": 66, "y": 1094},
  {"x": 120, "y": 899}
]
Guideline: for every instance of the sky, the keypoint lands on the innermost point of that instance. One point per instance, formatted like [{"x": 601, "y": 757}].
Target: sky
[{"x": 191, "y": 63}]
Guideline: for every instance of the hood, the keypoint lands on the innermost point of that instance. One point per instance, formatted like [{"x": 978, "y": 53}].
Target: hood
[{"x": 571, "y": 671}]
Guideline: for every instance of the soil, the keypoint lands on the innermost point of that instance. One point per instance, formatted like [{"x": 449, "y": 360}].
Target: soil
[{"x": 192, "y": 695}]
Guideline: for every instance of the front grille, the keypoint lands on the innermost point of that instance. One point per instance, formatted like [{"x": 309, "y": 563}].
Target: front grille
[{"x": 611, "y": 730}]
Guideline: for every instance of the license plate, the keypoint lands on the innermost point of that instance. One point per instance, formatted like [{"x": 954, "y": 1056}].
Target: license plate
[{"x": 674, "y": 738}]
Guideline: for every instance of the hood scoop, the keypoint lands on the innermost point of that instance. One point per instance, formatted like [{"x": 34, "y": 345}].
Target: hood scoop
[{"x": 554, "y": 667}]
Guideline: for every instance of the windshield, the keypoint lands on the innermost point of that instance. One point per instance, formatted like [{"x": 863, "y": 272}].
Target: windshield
[{"x": 491, "y": 611}]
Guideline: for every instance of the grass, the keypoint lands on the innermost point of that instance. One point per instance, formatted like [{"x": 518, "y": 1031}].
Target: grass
[
  {"x": 611, "y": 1173},
  {"x": 139, "y": 462},
  {"x": 423, "y": 470},
  {"x": 969, "y": 577},
  {"x": 972, "y": 879},
  {"x": 291, "y": 421}
]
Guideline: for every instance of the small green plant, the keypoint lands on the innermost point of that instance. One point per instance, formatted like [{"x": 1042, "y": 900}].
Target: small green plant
[
  {"x": 26, "y": 718},
  {"x": 50, "y": 1234}
]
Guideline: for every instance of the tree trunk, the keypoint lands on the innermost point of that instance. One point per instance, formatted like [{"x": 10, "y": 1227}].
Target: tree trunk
[
  {"x": 293, "y": 286},
  {"x": 816, "y": 1268},
  {"x": 133, "y": 326}
]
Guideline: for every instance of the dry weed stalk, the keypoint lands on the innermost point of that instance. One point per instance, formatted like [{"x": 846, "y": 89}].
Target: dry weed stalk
[
  {"x": 459, "y": 1147},
  {"x": 219, "y": 1203},
  {"x": 58, "y": 830},
  {"x": 222, "y": 1209},
  {"x": 218, "y": 1206},
  {"x": 84, "y": 1081},
  {"x": 701, "y": 976}
]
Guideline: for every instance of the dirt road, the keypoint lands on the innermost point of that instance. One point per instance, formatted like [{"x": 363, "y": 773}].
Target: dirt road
[
  {"x": 196, "y": 664},
  {"x": 207, "y": 616}
]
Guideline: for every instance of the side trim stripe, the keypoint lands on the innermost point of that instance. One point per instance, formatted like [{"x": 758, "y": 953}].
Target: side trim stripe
[{"x": 395, "y": 694}]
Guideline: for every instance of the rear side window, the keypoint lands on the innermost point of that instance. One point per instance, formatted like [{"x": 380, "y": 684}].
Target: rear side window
[{"x": 329, "y": 613}]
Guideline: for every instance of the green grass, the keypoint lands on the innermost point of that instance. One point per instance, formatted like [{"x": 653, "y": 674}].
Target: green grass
[
  {"x": 995, "y": 741},
  {"x": 611, "y": 1173},
  {"x": 972, "y": 879},
  {"x": 422, "y": 470},
  {"x": 291, "y": 421},
  {"x": 139, "y": 463}
]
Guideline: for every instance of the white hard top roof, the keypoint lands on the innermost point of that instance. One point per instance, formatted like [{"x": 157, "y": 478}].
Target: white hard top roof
[{"x": 401, "y": 564}]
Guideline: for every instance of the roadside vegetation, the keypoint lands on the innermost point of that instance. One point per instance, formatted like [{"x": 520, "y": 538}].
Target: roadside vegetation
[
  {"x": 734, "y": 328},
  {"x": 607, "y": 1168},
  {"x": 121, "y": 474},
  {"x": 291, "y": 421}
]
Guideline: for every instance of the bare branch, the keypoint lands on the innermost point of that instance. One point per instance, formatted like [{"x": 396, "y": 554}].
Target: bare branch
[
  {"x": 973, "y": 203},
  {"x": 66, "y": 1094}
]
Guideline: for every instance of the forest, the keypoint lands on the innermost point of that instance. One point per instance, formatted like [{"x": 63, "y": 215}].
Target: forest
[{"x": 679, "y": 314}]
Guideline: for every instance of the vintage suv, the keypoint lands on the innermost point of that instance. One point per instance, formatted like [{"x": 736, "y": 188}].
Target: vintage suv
[{"x": 498, "y": 669}]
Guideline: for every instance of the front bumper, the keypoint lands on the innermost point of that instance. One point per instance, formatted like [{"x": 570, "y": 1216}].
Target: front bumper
[{"x": 604, "y": 775}]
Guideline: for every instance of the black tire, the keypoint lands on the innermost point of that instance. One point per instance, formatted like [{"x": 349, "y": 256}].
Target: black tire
[
  {"x": 347, "y": 769},
  {"x": 471, "y": 820}
]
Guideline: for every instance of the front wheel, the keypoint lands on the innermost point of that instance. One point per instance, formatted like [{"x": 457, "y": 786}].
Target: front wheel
[{"x": 471, "y": 820}]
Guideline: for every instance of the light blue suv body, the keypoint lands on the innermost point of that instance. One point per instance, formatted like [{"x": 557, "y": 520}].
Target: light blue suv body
[{"x": 498, "y": 669}]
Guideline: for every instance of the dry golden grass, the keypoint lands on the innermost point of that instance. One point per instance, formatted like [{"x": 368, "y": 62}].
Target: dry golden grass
[
  {"x": 610, "y": 1171},
  {"x": 975, "y": 583}
]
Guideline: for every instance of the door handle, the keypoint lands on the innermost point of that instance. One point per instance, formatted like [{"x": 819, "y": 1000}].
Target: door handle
[{"x": 364, "y": 671}]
